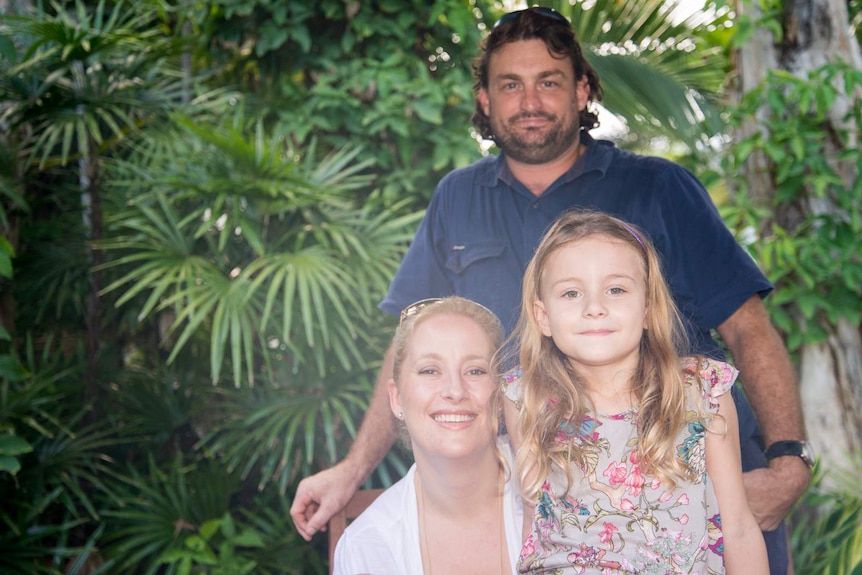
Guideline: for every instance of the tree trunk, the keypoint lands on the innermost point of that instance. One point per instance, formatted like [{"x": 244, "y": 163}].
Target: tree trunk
[
  {"x": 815, "y": 32},
  {"x": 92, "y": 212}
]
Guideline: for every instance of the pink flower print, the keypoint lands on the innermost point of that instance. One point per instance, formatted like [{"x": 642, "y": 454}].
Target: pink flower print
[
  {"x": 656, "y": 483},
  {"x": 585, "y": 556},
  {"x": 512, "y": 375},
  {"x": 683, "y": 500},
  {"x": 529, "y": 546},
  {"x": 635, "y": 481},
  {"x": 716, "y": 536},
  {"x": 684, "y": 519},
  {"x": 665, "y": 496},
  {"x": 616, "y": 473},
  {"x": 607, "y": 533},
  {"x": 627, "y": 505}
]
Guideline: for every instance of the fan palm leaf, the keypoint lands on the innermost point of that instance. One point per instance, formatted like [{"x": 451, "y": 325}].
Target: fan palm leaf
[
  {"x": 253, "y": 247},
  {"x": 86, "y": 81},
  {"x": 659, "y": 74}
]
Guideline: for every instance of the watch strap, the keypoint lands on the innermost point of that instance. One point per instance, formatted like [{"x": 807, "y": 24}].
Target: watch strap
[{"x": 789, "y": 447}]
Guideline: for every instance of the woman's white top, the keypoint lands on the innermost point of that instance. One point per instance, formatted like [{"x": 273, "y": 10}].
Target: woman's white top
[{"x": 384, "y": 539}]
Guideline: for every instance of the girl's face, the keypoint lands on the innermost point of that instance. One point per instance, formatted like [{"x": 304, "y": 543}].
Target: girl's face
[
  {"x": 445, "y": 386},
  {"x": 593, "y": 303}
]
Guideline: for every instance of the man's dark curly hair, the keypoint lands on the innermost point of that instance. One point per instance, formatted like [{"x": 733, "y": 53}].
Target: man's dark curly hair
[{"x": 560, "y": 40}]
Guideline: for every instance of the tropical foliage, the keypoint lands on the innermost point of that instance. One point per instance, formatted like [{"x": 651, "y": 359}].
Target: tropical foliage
[
  {"x": 202, "y": 204},
  {"x": 814, "y": 264}
]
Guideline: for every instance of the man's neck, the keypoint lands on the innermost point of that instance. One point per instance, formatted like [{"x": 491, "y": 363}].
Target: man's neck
[{"x": 538, "y": 177}]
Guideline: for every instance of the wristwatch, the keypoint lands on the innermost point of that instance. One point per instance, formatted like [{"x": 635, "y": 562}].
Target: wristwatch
[{"x": 800, "y": 449}]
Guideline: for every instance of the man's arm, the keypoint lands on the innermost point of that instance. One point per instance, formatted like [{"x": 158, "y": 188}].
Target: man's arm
[
  {"x": 324, "y": 494},
  {"x": 769, "y": 381}
]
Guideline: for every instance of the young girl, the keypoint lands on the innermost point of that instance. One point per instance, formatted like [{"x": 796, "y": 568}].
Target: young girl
[{"x": 626, "y": 451}]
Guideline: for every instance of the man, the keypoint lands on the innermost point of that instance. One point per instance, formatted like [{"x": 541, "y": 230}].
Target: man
[{"x": 533, "y": 87}]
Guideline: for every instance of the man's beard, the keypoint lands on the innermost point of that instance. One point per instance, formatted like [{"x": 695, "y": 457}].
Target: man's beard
[{"x": 535, "y": 151}]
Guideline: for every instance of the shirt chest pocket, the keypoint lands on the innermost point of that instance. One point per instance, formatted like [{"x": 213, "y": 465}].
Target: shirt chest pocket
[{"x": 464, "y": 256}]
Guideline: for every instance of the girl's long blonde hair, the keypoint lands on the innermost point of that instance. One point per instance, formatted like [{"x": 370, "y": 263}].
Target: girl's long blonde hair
[{"x": 554, "y": 393}]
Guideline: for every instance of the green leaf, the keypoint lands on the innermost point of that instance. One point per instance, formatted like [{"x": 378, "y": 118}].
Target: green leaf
[
  {"x": 10, "y": 464},
  {"x": 209, "y": 528},
  {"x": 428, "y": 112},
  {"x": 14, "y": 445},
  {"x": 196, "y": 543},
  {"x": 228, "y": 528},
  {"x": 249, "y": 538}
]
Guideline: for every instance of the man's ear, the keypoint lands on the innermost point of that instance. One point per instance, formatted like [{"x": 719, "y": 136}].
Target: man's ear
[
  {"x": 484, "y": 101},
  {"x": 541, "y": 317},
  {"x": 582, "y": 92}
]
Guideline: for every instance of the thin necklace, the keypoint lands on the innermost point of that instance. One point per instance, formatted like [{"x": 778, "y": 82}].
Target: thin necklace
[{"x": 425, "y": 552}]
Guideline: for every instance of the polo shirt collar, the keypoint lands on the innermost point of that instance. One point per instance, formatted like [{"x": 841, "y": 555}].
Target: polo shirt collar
[{"x": 598, "y": 156}]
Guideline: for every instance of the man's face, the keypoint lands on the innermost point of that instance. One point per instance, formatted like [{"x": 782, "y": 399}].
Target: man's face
[{"x": 533, "y": 102}]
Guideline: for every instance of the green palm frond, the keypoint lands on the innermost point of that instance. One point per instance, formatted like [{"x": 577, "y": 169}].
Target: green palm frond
[
  {"x": 278, "y": 434},
  {"x": 86, "y": 81},
  {"x": 254, "y": 247},
  {"x": 31, "y": 548},
  {"x": 651, "y": 100},
  {"x": 159, "y": 508},
  {"x": 661, "y": 76},
  {"x": 70, "y": 459},
  {"x": 285, "y": 553},
  {"x": 826, "y": 534}
]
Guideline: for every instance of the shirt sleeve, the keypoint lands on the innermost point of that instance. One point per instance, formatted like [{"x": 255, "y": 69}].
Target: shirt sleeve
[
  {"x": 422, "y": 273},
  {"x": 510, "y": 385},
  {"x": 710, "y": 273}
]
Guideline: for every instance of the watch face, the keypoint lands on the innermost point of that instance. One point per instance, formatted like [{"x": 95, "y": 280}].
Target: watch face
[{"x": 807, "y": 455}]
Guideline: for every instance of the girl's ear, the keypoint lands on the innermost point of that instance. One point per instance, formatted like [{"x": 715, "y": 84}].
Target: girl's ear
[
  {"x": 394, "y": 397},
  {"x": 541, "y": 317}
]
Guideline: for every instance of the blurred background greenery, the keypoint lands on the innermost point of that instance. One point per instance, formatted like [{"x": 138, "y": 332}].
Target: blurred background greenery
[{"x": 202, "y": 203}]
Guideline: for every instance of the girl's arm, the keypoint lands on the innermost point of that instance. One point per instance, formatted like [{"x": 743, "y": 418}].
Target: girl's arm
[{"x": 744, "y": 549}]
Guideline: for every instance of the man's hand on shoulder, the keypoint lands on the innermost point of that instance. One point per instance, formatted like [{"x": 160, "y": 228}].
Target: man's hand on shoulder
[
  {"x": 321, "y": 496},
  {"x": 773, "y": 490}
]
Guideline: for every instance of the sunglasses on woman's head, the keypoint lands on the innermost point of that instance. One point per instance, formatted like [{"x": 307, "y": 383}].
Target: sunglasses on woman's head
[
  {"x": 540, "y": 10},
  {"x": 415, "y": 308}
]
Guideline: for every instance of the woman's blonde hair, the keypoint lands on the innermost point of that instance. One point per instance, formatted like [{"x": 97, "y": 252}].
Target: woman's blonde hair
[
  {"x": 553, "y": 391},
  {"x": 416, "y": 314}
]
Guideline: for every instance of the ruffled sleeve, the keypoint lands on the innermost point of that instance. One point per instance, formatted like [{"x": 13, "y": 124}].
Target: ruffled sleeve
[
  {"x": 716, "y": 379},
  {"x": 510, "y": 385}
]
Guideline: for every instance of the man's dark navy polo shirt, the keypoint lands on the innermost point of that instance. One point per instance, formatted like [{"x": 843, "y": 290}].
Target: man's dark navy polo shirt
[{"x": 482, "y": 227}]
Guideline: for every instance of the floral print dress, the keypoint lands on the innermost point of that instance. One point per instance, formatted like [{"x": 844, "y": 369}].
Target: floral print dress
[{"x": 615, "y": 519}]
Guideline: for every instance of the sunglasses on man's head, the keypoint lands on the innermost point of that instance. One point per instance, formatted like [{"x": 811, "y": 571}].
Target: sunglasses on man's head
[{"x": 540, "y": 10}]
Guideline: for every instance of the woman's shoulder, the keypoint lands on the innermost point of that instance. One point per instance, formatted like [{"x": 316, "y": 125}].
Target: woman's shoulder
[
  {"x": 379, "y": 534},
  {"x": 389, "y": 509}
]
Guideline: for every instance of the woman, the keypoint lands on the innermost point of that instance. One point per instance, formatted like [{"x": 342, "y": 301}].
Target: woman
[{"x": 455, "y": 511}]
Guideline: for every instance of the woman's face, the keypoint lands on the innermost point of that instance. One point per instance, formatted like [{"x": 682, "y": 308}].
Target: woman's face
[{"x": 444, "y": 387}]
